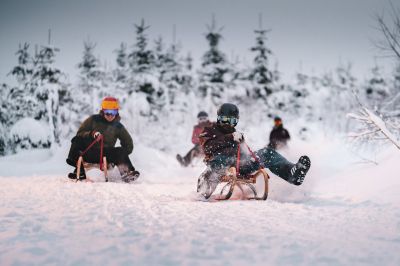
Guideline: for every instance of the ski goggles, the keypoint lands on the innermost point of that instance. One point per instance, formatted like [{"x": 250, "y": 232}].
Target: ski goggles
[
  {"x": 228, "y": 120},
  {"x": 111, "y": 112}
]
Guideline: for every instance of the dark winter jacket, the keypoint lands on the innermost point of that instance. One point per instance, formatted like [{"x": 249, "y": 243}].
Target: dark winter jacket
[
  {"x": 112, "y": 131},
  {"x": 278, "y": 137},
  {"x": 218, "y": 144},
  {"x": 197, "y": 130}
]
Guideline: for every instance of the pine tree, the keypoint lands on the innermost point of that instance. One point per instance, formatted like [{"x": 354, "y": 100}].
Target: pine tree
[
  {"x": 261, "y": 75},
  {"x": 141, "y": 59},
  {"x": 121, "y": 72},
  {"x": 5, "y": 116},
  {"x": 391, "y": 106},
  {"x": 376, "y": 91},
  {"x": 144, "y": 77},
  {"x": 214, "y": 67},
  {"x": 159, "y": 54},
  {"x": 340, "y": 98},
  {"x": 38, "y": 95},
  {"x": 23, "y": 71},
  {"x": 172, "y": 76},
  {"x": 187, "y": 74},
  {"x": 21, "y": 99},
  {"x": 91, "y": 75},
  {"x": 50, "y": 86}
]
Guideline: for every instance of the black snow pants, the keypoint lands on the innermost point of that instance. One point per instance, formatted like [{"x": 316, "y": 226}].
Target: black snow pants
[{"x": 114, "y": 155}]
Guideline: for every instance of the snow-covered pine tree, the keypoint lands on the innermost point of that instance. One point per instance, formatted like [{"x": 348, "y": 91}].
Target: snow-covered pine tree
[
  {"x": 141, "y": 58},
  {"x": 121, "y": 71},
  {"x": 18, "y": 102},
  {"x": 391, "y": 107},
  {"x": 188, "y": 75},
  {"x": 21, "y": 100},
  {"x": 170, "y": 68},
  {"x": 159, "y": 55},
  {"x": 51, "y": 85},
  {"x": 23, "y": 71},
  {"x": 340, "y": 98},
  {"x": 172, "y": 77},
  {"x": 376, "y": 90},
  {"x": 4, "y": 116},
  {"x": 149, "y": 96},
  {"x": 291, "y": 98},
  {"x": 34, "y": 104},
  {"x": 261, "y": 75},
  {"x": 213, "y": 69},
  {"x": 90, "y": 79}
]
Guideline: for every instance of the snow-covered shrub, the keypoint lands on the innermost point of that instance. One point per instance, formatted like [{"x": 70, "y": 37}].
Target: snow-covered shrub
[{"x": 29, "y": 133}]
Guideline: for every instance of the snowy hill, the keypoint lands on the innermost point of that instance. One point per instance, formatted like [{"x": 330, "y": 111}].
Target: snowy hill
[{"x": 345, "y": 213}]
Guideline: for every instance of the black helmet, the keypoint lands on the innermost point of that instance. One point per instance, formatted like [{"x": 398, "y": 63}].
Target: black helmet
[
  {"x": 228, "y": 113},
  {"x": 228, "y": 109},
  {"x": 202, "y": 114}
]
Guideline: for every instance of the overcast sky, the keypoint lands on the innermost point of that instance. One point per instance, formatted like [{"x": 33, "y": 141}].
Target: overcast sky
[{"x": 312, "y": 35}]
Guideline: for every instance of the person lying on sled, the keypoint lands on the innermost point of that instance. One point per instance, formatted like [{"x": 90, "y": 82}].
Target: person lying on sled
[
  {"x": 106, "y": 124},
  {"x": 196, "y": 151},
  {"x": 220, "y": 144}
]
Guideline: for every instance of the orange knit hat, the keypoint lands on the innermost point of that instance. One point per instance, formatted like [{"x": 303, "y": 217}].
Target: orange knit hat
[{"x": 109, "y": 103}]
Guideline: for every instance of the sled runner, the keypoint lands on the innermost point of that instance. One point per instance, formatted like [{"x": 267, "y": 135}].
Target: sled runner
[
  {"x": 251, "y": 187},
  {"x": 102, "y": 165},
  {"x": 88, "y": 166}
]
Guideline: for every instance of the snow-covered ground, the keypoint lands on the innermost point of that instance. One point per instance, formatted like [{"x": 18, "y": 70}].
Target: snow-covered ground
[{"x": 345, "y": 213}]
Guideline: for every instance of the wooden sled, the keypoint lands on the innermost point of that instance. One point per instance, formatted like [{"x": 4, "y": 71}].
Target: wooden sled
[
  {"x": 233, "y": 181},
  {"x": 89, "y": 166}
]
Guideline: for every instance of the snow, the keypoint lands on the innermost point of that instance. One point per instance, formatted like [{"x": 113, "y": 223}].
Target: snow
[
  {"x": 381, "y": 125},
  {"x": 346, "y": 213},
  {"x": 31, "y": 132}
]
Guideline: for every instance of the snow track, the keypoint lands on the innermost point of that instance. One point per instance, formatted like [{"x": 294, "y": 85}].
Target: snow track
[{"x": 45, "y": 220}]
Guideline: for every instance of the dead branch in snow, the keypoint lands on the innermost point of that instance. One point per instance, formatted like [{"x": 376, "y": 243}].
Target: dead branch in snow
[{"x": 373, "y": 125}]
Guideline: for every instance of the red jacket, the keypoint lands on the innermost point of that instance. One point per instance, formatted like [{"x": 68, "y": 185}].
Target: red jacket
[{"x": 197, "y": 129}]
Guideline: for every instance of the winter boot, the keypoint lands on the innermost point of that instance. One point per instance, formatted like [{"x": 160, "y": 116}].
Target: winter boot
[
  {"x": 82, "y": 174},
  {"x": 130, "y": 176},
  {"x": 181, "y": 160},
  {"x": 299, "y": 170},
  {"x": 208, "y": 182}
]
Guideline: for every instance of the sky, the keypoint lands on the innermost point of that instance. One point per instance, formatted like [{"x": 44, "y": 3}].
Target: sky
[{"x": 313, "y": 36}]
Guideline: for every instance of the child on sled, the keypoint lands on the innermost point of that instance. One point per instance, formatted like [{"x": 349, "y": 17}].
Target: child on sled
[
  {"x": 105, "y": 125},
  {"x": 220, "y": 144}
]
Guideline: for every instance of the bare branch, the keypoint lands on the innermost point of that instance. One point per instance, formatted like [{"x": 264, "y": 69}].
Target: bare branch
[{"x": 391, "y": 37}]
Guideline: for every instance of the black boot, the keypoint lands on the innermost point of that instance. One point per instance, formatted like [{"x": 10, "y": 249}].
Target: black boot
[
  {"x": 82, "y": 174},
  {"x": 299, "y": 170},
  {"x": 130, "y": 176},
  {"x": 181, "y": 160}
]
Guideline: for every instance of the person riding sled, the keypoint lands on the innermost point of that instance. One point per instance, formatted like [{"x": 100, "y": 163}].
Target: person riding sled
[
  {"x": 202, "y": 118},
  {"x": 220, "y": 143},
  {"x": 279, "y": 135},
  {"x": 105, "y": 125}
]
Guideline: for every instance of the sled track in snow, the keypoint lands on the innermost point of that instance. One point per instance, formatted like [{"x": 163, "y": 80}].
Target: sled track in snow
[{"x": 47, "y": 221}]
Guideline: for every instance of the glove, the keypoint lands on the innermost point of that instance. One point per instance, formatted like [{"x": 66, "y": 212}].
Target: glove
[
  {"x": 96, "y": 134},
  {"x": 238, "y": 137}
]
